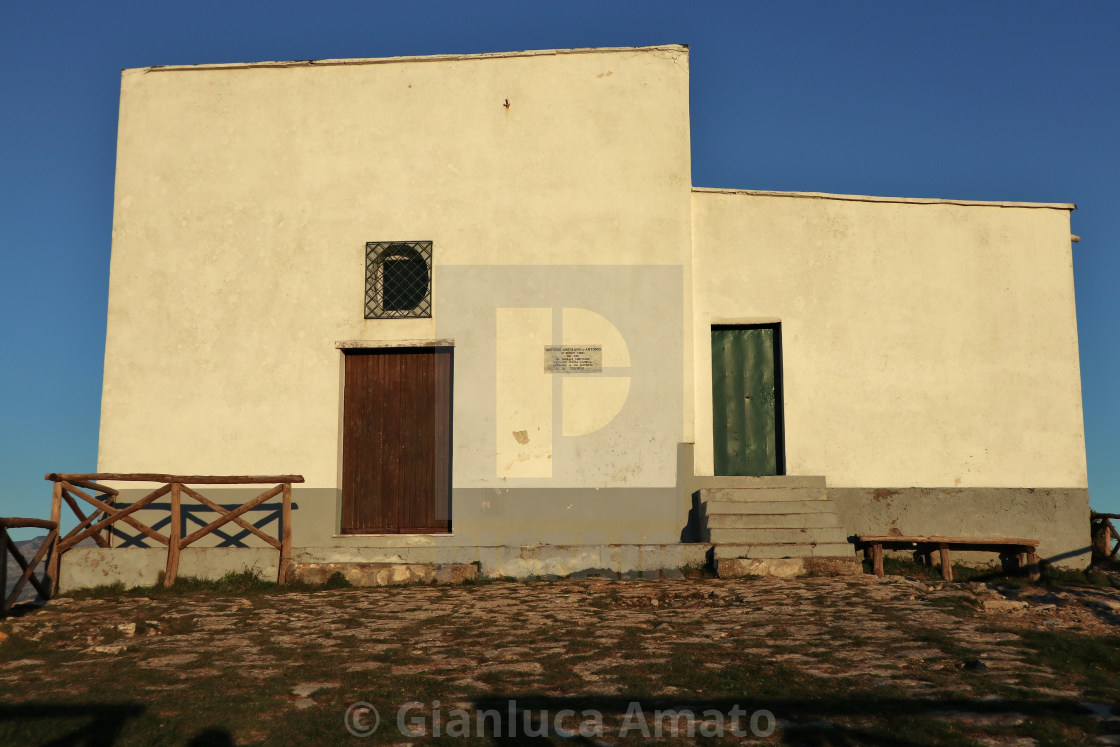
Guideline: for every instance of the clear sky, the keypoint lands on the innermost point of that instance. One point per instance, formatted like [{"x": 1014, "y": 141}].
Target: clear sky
[{"x": 1012, "y": 100}]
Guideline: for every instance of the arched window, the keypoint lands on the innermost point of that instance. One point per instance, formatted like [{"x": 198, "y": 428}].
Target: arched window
[{"x": 398, "y": 279}]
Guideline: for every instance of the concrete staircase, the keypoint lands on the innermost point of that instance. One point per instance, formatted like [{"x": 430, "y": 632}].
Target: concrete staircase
[{"x": 779, "y": 525}]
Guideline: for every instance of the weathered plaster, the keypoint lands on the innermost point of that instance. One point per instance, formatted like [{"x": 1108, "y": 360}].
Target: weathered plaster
[
  {"x": 245, "y": 195},
  {"x": 1057, "y": 517},
  {"x": 925, "y": 343}
]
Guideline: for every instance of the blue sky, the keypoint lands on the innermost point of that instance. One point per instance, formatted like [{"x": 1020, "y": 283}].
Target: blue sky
[{"x": 974, "y": 100}]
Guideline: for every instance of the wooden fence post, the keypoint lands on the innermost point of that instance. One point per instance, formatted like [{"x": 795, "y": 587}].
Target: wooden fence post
[
  {"x": 175, "y": 532},
  {"x": 285, "y": 536},
  {"x": 946, "y": 564},
  {"x": 3, "y": 570},
  {"x": 1034, "y": 571},
  {"x": 1099, "y": 532},
  {"x": 53, "y": 563}
]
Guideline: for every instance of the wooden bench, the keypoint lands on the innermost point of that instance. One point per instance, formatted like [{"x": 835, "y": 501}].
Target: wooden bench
[{"x": 1022, "y": 553}]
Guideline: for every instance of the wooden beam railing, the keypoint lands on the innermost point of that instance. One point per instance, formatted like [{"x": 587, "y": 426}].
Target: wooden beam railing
[
  {"x": 1104, "y": 534},
  {"x": 99, "y": 522},
  {"x": 27, "y": 568}
]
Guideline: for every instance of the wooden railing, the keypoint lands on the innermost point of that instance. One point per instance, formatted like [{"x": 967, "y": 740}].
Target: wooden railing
[
  {"x": 7, "y": 546},
  {"x": 1104, "y": 534},
  {"x": 98, "y": 523}
]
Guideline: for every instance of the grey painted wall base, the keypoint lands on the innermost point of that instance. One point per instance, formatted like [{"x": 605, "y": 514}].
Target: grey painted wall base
[
  {"x": 513, "y": 517},
  {"x": 1058, "y": 517},
  {"x": 559, "y": 531}
]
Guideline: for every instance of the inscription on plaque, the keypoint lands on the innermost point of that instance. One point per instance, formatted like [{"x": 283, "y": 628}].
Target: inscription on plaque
[{"x": 573, "y": 358}]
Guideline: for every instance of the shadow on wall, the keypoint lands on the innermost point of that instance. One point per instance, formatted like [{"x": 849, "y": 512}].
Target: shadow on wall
[
  {"x": 1079, "y": 553},
  {"x": 691, "y": 530},
  {"x": 199, "y": 516}
]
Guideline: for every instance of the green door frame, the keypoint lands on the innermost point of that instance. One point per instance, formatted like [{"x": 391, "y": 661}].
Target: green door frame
[{"x": 724, "y": 463}]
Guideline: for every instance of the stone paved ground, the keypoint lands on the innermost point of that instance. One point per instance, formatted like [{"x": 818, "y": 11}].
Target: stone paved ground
[{"x": 847, "y": 660}]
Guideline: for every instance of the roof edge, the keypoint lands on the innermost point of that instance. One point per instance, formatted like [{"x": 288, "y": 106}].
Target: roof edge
[
  {"x": 871, "y": 198},
  {"x": 410, "y": 58}
]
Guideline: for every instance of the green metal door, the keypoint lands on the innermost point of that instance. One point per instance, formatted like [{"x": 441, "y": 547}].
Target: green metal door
[{"x": 746, "y": 401}]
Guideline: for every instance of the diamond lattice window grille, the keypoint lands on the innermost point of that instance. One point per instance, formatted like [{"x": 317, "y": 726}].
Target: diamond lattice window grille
[{"x": 398, "y": 279}]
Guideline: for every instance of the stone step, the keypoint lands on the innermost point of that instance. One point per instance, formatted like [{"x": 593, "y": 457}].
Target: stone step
[
  {"x": 777, "y": 521},
  {"x": 771, "y": 536},
  {"x": 749, "y": 495},
  {"x": 765, "y": 482},
  {"x": 787, "y": 567},
  {"x": 713, "y": 508},
  {"x": 785, "y": 550}
]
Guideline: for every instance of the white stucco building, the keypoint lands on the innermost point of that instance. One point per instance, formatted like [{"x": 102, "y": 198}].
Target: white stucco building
[{"x": 474, "y": 301}]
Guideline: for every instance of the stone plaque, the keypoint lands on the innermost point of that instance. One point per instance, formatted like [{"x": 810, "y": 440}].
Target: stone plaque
[{"x": 573, "y": 358}]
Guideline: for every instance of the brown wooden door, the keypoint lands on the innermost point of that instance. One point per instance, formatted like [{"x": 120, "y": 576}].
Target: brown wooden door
[{"x": 396, "y": 441}]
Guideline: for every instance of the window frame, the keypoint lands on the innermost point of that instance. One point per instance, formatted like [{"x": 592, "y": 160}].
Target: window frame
[{"x": 377, "y": 253}]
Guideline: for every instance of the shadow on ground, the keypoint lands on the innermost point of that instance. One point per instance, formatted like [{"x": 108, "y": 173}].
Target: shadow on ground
[
  {"x": 88, "y": 725},
  {"x": 885, "y": 722}
]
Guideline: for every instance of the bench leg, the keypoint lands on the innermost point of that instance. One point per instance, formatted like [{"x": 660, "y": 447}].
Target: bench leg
[
  {"x": 877, "y": 558},
  {"x": 1033, "y": 571},
  {"x": 946, "y": 566}
]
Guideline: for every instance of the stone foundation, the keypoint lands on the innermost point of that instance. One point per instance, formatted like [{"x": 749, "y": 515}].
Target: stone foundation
[
  {"x": 83, "y": 567},
  {"x": 787, "y": 567},
  {"x": 386, "y": 574}
]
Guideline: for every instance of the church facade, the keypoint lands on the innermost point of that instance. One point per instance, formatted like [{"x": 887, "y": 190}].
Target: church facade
[{"x": 478, "y": 304}]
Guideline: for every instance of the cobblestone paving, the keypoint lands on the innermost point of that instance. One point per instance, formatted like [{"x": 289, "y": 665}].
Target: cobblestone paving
[{"x": 815, "y": 652}]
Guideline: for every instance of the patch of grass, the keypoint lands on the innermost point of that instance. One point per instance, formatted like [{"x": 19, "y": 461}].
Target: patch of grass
[
  {"x": 1093, "y": 659},
  {"x": 945, "y": 642},
  {"x": 698, "y": 570},
  {"x": 957, "y": 606},
  {"x": 895, "y": 566},
  {"x": 758, "y": 676},
  {"x": 898, "y": 726},
  {"x": 1058, "y": 730},
  {"x": 245, "y": 581},
  {"x": 1097, "y": 578},
  {"x": 993, "y": 574},
  {"x": 1107, "y": 564},
  {"x": 1052, "y": 576},
  {"x": 103, "y": 591},
  {"x": 337, "y": 581}
]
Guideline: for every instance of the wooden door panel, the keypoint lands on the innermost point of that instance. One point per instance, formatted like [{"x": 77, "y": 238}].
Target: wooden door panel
[
  {"x": 442, "y": 376},
  {"x": 361, "y": 438},
  {"x": 387, "y": 393},
  {"x": 397, "y": 441},
  {"x": 746, "y": 401}
]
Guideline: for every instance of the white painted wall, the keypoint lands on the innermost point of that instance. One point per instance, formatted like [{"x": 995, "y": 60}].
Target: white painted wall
[
  {"x": 245, "y": 195},
  {"x": 925, "y": 343}
]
